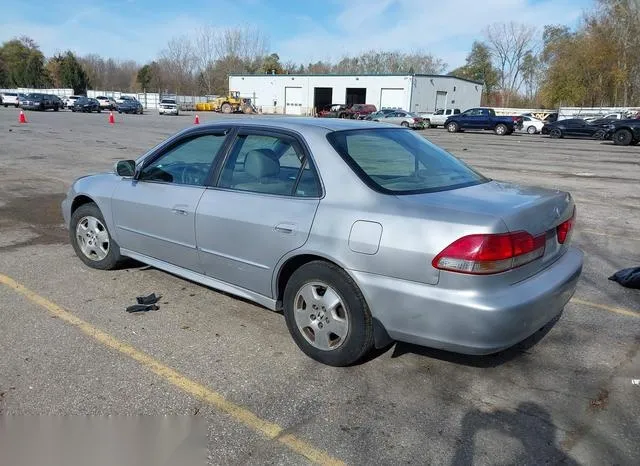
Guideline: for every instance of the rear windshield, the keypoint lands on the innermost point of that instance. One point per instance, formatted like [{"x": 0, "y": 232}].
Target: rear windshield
[{"x": 397, "y": 161}]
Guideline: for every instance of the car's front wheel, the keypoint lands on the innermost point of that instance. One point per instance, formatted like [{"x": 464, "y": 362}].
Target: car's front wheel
[
  {"x": 453, "y": 127},
  {"x": 91, "y": 239},
  {"x": 327, "y": 314},
  {"x": 622, "y": 137}
]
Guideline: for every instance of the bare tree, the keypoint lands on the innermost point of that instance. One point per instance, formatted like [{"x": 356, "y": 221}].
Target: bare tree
[
  {"x": 179, "y": 58},
  {"x": 205, "y": 56},
  {"x": 510, "y": 43}
]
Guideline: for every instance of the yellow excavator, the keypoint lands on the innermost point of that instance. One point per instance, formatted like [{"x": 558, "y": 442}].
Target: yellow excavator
[{"x": 230, "y": 103}]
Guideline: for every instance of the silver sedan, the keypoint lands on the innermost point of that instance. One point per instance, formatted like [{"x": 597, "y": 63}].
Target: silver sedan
[{"x": 361, "y": 233}]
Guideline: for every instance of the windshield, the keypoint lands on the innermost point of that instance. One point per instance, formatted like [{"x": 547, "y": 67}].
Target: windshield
[{"x": 396, "y": 161}]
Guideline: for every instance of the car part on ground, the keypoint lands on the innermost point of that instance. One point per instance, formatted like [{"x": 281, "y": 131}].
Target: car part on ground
[{"x": 326, "y": 220}]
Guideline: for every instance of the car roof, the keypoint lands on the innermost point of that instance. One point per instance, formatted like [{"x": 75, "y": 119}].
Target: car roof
[{"x": 299, "y": 123}]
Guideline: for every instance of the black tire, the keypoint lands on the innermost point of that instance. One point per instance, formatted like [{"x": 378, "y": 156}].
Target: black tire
[
  {"x": 359, "y": 340},
  {"x": 99, "y": 110},
  {"x": 634, "y": 142},
  {"x": 405, "y": 124},
  {"x": 622, "y": 137},
  {"x": 16, "y": 105},
  {"x": 501, "y": 130},
  {"x": 532, "y": 130},
  {"x": 113, "y": 257},
  {"x": 555, "y": 133},
  {"x": 453, "y": 127}
]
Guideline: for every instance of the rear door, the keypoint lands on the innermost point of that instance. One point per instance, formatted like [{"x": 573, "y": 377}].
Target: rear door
[
  {"x": 154, "y": 214},
  {"x": 261, "y": 207}
]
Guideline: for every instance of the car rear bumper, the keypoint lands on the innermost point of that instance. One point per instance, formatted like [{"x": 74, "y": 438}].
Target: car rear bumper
[{"x": 471, "y": 321}]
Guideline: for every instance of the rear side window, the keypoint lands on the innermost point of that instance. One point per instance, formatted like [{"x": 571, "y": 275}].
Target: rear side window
[{"x": 396, "y": 161}]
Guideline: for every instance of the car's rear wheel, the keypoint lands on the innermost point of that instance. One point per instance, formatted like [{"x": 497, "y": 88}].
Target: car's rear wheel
[
  {"x": 622, "y": 137},
  {"x": 555, "y": 133},
  {"x": 405, "y": 124},
  {"x": 453, "y": 127},
  {"x": 532, "y": 130},
  {"x": 91, "y": 239},
  {"x": 327, "y": 314},
  {"x": 501, "y": 129}
]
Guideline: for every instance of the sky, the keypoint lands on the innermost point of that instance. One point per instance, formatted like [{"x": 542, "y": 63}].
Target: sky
[{"x": 302, "y": 31}]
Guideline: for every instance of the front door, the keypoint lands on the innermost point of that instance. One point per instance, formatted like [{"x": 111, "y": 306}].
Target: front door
[
  {"x": 261, "y": 208},
  {"x": 154, "y": 214}
]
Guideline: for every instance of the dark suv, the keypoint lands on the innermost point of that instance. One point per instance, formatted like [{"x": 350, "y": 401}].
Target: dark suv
[{"x": 37, "y": 101}]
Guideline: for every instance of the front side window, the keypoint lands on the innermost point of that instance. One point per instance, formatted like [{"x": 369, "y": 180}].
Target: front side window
[
  {"x": 269, "y": 165},
  {"x": 188, "y": 163},
  {"x": 395, "y": 161}
]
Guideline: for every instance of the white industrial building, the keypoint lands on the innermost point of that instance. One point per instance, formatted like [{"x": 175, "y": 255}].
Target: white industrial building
[{"x": 304, "y": 94}]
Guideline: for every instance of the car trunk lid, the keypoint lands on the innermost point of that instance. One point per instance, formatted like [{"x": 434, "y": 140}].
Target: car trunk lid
[{"x": 537, "y": 211}]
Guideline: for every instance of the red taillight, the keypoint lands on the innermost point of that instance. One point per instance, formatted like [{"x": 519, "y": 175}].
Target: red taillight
[
  {"x": 563, "y": 231},
  {"x": 490, "y": 253}
]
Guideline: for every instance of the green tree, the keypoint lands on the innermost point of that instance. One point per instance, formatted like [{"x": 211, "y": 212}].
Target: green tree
[
  {"x": 24, "y": 63},
  {"x": 271, "y": 64},
  {"x": 479, "y": 67},
  {"x": 144, "y": 77},
  {"x": 72, "y": 74}
]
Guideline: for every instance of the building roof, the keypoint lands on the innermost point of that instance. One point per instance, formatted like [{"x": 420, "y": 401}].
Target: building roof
[{"x": 295, "y": 75}]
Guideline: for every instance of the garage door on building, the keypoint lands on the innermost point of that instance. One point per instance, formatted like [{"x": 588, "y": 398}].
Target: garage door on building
[
  {"x": 293, "y": 100},
  {"x": 391, "y": 98},
  {"x": 441, "y": 100}
]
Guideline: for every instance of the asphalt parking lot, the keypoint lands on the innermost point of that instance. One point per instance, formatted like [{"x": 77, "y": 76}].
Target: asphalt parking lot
[{"x": 68, "y": 347}]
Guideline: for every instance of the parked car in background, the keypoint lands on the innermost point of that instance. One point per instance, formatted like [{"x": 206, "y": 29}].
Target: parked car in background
[
  {"x": 124, "y": 98},
  {"x": 130, "y": 106},
  {"x": 361, "y": 111},
  {"x": 381, "y": 113},
  {"x": 106, "y": 103},
  {"x": 438, "y": 118},
  {"x": 86, "y": 105},
  {"x": 10, "y": 98},
  {"x": 69, "y": 101},
  {"x": 402, "y": 118},
  {"x": 577, "y": 128},
  {"x": 429, "y": 251},
  {"x": 623, "y": 132},
  {"x": 38, "y": 101},
  {"x": 532, "y": 125},
  {"x": 335, "y": 111},
  {"x": 168, "y": 107},
  {"x": 483, "y": 119}
]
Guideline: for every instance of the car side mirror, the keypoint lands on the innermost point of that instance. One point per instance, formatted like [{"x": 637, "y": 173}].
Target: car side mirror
[{"x": 126, "y": 168}]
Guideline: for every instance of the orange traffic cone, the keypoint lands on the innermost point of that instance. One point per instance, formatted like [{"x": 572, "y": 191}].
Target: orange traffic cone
[
  {"x": 22, "y": 118},
  {"x": 197, "y": 120},
  {"x": 112, "y": 120}
]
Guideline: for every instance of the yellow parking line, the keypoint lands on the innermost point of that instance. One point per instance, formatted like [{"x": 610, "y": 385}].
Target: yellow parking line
[
  {"x": 268, "y": 429},
  {"x": 616, "y": 310}
]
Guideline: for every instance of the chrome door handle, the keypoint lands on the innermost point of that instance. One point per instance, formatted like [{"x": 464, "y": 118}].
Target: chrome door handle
[
  {"x": 284, "y": 228},
  {"x": 180, "y": 211}
]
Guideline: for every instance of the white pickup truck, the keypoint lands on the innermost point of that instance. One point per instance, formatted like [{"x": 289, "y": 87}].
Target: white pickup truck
[{"x": 437, "y": 118}]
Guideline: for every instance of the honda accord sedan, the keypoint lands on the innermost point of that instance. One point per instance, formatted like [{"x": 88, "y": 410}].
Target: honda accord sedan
[{"x": 361, "y": 233}]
